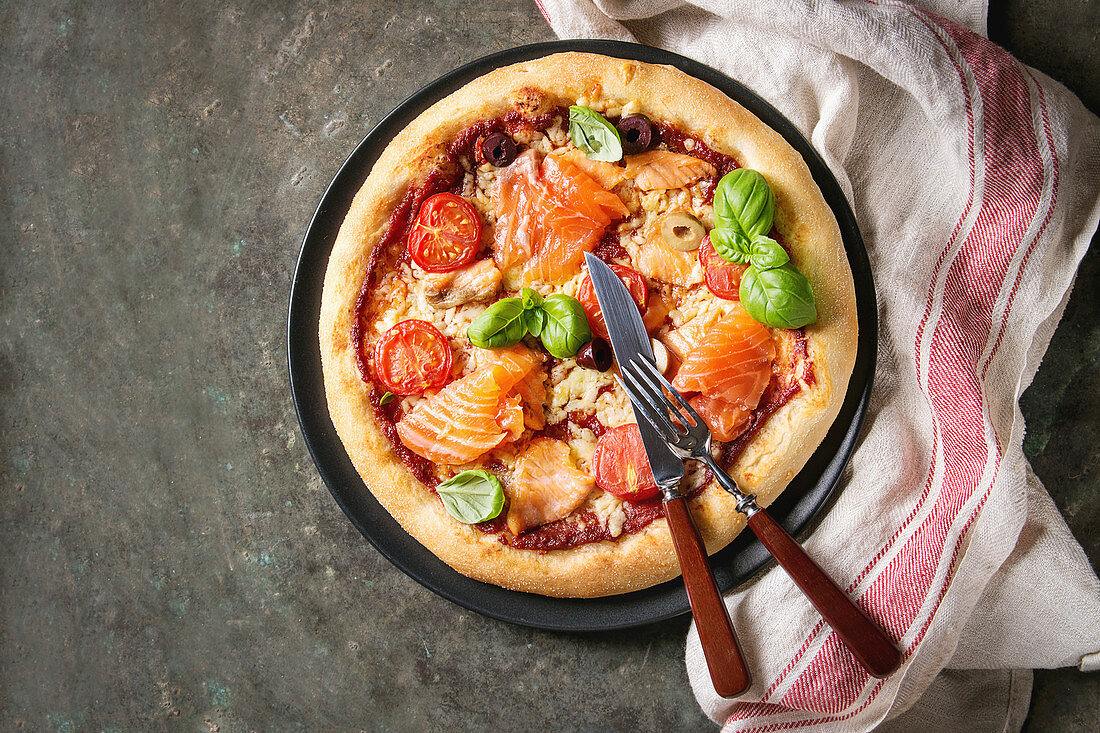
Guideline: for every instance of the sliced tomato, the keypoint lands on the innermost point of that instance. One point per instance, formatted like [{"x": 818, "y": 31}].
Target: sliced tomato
[
  {"x": 411, "y": 357},
  {"x": 633, "y": 281},
  {"x": 622, "y": 466},
  {"x": 446, "y": 234},
  {"x": 721, "y": 276}
]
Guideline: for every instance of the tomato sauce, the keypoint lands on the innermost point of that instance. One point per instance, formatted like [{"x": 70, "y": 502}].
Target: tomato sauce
[
  {"x": 587, "y": 420},
  {"x": 580, "y": 418},
  {"x": 610, "y": 247},
  {"x": 388, "y": 415},
  {"x": 569, "y": 532},
  {"x": 585, "y": 528},
  {"x": 675, "y": 140},
  {"x": 397, "y": 231},
  {"x": 466, "y": 142}
]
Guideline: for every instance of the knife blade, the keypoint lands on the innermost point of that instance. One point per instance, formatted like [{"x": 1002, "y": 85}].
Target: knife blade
[{"x": 629, "y": 340}]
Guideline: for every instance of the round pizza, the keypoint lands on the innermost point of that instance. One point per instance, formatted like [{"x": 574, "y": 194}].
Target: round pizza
[{"x": 466, "y": 362}]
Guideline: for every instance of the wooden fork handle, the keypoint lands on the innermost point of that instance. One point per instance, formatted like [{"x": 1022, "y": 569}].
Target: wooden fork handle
[
  {"x": 871, "y": 646},
  {"x": 724, "y": 659}
]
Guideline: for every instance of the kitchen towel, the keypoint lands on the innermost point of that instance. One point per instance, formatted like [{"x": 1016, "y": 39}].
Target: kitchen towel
[{"x": 975, "y": 183}]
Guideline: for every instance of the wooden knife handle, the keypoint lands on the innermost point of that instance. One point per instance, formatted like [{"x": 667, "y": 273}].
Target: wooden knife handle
[
  {"x": 871, "y": 646},
  {"x": 724, "y": 660}
]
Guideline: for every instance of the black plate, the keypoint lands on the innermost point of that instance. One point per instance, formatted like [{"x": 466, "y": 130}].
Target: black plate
[{"x": 807, "y": 494}]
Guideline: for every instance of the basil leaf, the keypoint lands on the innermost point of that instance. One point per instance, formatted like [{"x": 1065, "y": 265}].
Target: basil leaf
[
  {"x": 767, "y": 254},
  {"x": 387, "y": 398},
  {"x": 531, "y": 299},
  {"x": 500, "y": 326},
  {"x": 472, "y": 496},
  {"x": 535, "y": 321},
  {"x": 593, "y": 134},
  {"x": 780, "y": 297},
  {"x": 731, "y": 245},
  {"x": 745, "y": 203},
  {"x": 566, "y": 329}
]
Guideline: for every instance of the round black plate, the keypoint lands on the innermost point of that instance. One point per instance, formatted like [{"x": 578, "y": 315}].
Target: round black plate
[{"x": 797, "y": 505}]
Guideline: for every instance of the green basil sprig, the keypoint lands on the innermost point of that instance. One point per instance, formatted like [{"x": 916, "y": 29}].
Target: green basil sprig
[
  {"x": 744, "y": 202},
  {"x": 773, "y": 290},
  {"x": 472, "y": 496},
  {"x": 534, "y": 317},
  {"x": 732, "y": 246},
  {"x": 593, "y": 134},
  {"x": 780, "y": 297},
  {"x": 766, "y": 254},
  {"x": 566, "y": 329},
  {"x": 558, "y": 320},
  {"x": 500, "y": 325}
]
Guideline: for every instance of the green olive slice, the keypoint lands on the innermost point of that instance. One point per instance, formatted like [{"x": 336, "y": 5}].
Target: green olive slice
[{"x": 682, "y": 231}]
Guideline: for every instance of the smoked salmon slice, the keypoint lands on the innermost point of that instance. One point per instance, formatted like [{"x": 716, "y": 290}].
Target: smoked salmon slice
[
  {"x": 725, "y": 420},
  {"x": 652, "y": 170},
  {"x": 659, "y": 170},
  {"x": 510, "y": 417},
  {"x": 607, "y": 175},
  {"x": 516, "y": 359},
  {"x": 545, "y": 486},
  {"x": 531, "y": 389},
  {"x": 574, "y": 188},
  {"x": 548, "y": 216},
  {"x": 662, "y": 263},
  {"x": 458, "y": 423},
  {"x": 470, "y": 416},
  {"x": 518, "y": 203},
  {"x": 729, "y": 364},
  {"x": 731, "y": 361},
  {"x": 569, "y": 235},
  {"x": 683, "y": 338}
]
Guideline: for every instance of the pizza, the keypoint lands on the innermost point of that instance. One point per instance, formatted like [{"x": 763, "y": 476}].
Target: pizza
[{"x": 466, "y": 363}]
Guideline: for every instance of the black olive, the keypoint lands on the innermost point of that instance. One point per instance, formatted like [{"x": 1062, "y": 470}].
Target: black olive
[
  {"x": 498, "y": 149},
  {"x": 596, "y": 354},
  {"x": 636, "y": 132}
]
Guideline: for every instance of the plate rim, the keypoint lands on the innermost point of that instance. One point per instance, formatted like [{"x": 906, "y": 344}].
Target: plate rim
[{"x": 733, "y": 565}]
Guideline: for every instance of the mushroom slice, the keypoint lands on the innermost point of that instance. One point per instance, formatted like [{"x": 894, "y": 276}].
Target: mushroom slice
[{"x": 475, "y": 283}]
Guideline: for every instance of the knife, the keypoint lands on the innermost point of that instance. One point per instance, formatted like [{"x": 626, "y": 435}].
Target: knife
[{"x": 629, "y": 340}]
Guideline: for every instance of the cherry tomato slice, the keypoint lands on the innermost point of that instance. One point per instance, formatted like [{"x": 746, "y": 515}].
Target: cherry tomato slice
[
  {"x": 621, "y": 464},
  {"x": 446, "y": 234},
  {"x": 721, "y": 276},
  {"x": 633, "y": 281},
  {"x": 411, "y": 357}
]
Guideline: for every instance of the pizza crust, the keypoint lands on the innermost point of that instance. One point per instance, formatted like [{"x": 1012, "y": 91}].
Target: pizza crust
[{"x": 770, "y": 460}]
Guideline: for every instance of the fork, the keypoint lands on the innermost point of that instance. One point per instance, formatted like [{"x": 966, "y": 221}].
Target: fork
[{"x": 689, "y": 437}]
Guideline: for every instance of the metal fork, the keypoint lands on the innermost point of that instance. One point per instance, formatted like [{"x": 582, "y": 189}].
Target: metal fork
[{"x": 689, "y": 437}]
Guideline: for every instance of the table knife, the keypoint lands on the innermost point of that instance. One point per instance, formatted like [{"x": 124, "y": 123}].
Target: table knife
[{"x": 629, "y": 340}]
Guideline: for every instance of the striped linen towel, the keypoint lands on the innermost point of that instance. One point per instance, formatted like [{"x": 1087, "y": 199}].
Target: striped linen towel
[{"x": 976, "y": 184}]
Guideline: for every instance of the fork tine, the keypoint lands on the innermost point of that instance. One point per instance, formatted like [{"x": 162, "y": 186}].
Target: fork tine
[
  {"x": 653, "y": 377},
  {"x": 630, "y": 386},
  {"x": 658, "y": 419},
  {"x": 651, "y": 395}
]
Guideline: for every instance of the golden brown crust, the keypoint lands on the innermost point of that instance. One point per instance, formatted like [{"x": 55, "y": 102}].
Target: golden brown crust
[{"x": 770, "y": 459}]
